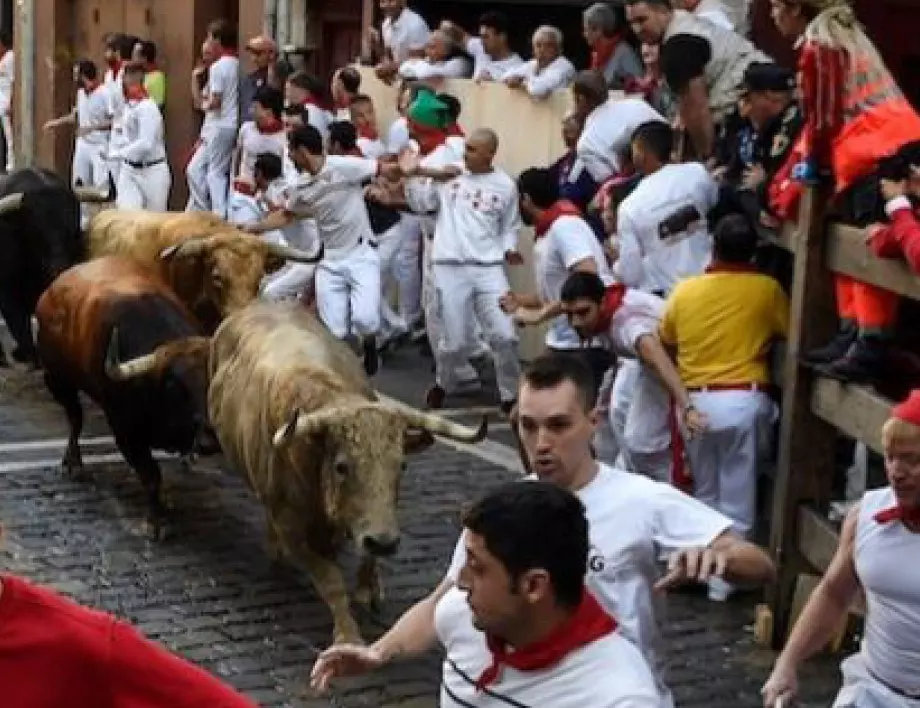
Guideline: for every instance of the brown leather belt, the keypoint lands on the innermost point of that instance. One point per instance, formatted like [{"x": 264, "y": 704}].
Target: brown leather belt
[{"x": 749, "y": 386}]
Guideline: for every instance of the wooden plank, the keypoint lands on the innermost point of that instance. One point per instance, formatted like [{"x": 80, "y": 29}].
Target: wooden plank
[
  {"x": 807, "y": 443},
  {"x": 847, "y": 253},
  {"x": 857, "y": 411},
  {"x": 817, "y": 537}
]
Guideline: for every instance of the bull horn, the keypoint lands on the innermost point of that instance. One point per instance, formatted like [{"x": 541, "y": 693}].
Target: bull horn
[
  {"x": 440, "y": 426},
  {"x": 189, "y": 246},
  {"x": 299, "y": 423},
  {"x": 289, "y": 253},
  {"x": 11, "y": 202},
  {"x": 124, "y": 371},
  {"x": 92, "y": 194}
]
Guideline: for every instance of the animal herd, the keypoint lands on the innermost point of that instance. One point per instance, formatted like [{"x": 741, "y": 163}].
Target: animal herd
[{"x": 156, "y": 317}]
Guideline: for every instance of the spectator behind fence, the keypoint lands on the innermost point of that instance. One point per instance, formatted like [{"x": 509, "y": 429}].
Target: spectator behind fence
[
  {"x": 611, "y": 42},
  {"x": 548, "y": 71}
]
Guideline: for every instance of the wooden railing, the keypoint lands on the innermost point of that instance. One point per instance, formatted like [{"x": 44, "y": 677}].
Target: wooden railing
[{"x": 816, "y": 409}]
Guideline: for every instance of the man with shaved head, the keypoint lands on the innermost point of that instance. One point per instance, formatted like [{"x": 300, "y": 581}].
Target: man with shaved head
[{"x": 476, "y": 232}]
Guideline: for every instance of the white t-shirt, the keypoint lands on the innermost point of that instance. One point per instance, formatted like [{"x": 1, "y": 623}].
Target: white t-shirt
[
  {"x": 648, "y": 260},
  {"x": 638, "y": 315},
  {"x": 143, "y": 133},
  {"x": 398, "y": 136},
  {"x": 540, "y": 83},
  {"x": 632, "y": 520},
  {"x": 92, "y": 110},
  {"x": 607, "y": 673},
  {"x": 408, "y": 33},
  {"x": 224, "y": 79},
  {"x": 252, "y": 143},
  {"x": 319, "y": 118},
  {"x": 608, "y": 132},
  {"x": 372, "y": 148},
  {"x": 485, "y": 67},
  {"x": 477, "y": 216},
  {"x": 421, "y": 69},
  {"x": 114, "y": 83},
  {"x": 567, "y": 242},
  {"x": 335, "y": 198},
  {"x": 715, "y": 12}
]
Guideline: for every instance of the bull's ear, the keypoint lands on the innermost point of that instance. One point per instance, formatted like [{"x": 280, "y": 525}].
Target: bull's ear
[
  {"x": 417, "y": 440},
  {"x": 285, "y": 433}
]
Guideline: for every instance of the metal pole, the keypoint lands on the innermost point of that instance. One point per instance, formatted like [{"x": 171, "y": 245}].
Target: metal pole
[
  {"x": 25, "y": 16},
  {"x": 283, "y": 32},
  {"x": 271, "y": 18}
]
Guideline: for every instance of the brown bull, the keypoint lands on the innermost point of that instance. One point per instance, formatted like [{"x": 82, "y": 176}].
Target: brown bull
[
  {"x": 215, "y": 268},
  {"x": 99, "y": 314},
  {"x": 293, "y": 410}
]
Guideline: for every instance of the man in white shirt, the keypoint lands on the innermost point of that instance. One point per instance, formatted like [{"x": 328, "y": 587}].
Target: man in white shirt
[
  {"x": 404, "y": 34},
  {"x": 91, "y": 117},
  {"x": 208, "y": 172},
  {"x": 712, "y": 10},
  {"x": 144, "y": 179},
  {"x": 118, "y": 50},
  {"x": 7, "y": 80},
  {"x": 444, "y": 59},
  {"x": 265, "y": 133},
  {"x": 331, "y": 190},
  {"x": 520, "y": 629},
  {"x": 492, "y": 57},
  {"x": 548, "y": 71},
  {"x": 476, "y": 233},
  {"x": 662, "y": 227},
  {"x": 609, "y": 124},
  {"x": 631, "y": 521}
]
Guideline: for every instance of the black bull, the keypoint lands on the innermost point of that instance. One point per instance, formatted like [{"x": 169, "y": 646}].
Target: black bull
[{"x": 40, "y": 237}]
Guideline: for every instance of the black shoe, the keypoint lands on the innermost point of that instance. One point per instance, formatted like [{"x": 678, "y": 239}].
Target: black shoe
[
  {"x": 371, "y": 356},
  {"x": 863, "y": 362},
  {"x": 835, "y": 349},
  {"x": 434, "y": 399}
]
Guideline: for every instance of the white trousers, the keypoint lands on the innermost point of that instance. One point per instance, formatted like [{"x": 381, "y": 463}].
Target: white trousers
[
  {"x": 408, "y": 268},
  {"x": 639, "y": 420},
  {"x": 144, "y": 188},
  {"x": 7, "y": 122},
  {"x": 467, "y": 295},
  {"x": 289, "y": 283},
  {"x": 388, "y": 246},
  {"x": 208, "y": 172},
  {"x": 724, "y": 459},
  {"x": 117, "y": 141},
  {"x": 861, "y": 690},
  {"x": 348, "y": 293},
  {"x": 90, "y": 169}
]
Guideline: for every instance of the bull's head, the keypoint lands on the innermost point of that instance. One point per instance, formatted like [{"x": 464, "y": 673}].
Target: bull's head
[
  {"x": 230, "y": 266},
  {"x": 179, "y": 372},
  {"x": 13, "y": 202},
  {"x": 361, "y": 449}
]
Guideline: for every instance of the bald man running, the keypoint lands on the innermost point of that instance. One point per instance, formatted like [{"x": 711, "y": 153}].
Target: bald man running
[{"x": 476, "y": 232}]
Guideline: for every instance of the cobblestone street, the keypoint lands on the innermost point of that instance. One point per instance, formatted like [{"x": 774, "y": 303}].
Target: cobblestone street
[{"x": 211, "y": 593}]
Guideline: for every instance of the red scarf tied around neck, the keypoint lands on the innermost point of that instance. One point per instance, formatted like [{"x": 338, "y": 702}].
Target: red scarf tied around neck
[
  {"x": 588, "y": 624},
  {"x": 561, "y": 208},
  {"x": 429, "y": 139},
  {"x": 269, "y": 126},
  {"x": 368, "y": 132},
  {"x": 603, "y": 51},
  {"x": 904, "y": 514},
  {"x": 613, "y": 298}
]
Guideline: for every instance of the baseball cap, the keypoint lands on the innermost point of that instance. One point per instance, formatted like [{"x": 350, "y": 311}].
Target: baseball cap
[{"x": 768, "y": 77}]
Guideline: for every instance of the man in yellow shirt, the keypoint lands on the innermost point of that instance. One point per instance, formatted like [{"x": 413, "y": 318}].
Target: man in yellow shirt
[
  {"x": 154, "y": 79},
  {"x": 721, "y": 325}
]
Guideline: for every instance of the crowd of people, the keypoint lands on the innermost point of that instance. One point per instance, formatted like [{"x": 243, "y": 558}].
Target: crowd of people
[{"x": 655, "y": 402}]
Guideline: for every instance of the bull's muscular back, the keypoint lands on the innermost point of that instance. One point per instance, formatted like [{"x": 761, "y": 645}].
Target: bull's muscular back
[
  {"x": 267, "y": 361},
  {"x": 76, "y": 313}
]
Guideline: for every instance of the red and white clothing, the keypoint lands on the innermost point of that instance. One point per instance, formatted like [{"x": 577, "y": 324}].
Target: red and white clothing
[
  {"x": 318, "y": 117},
  {"x": 541, "y": 82},
  {"x": 607, "y": 672},
  {"x": 89, "y": 164},
  {"x": 254, "y": 140},
  {"x": 477, "y": 223},
  {"x": 208, "y": 172},
  {"x": 348, "y": 277},
  {"x": 632, "y": 522},
  {"x": 649, "y": 259},
  {"x": 900, "y": 239},
  {"x": 114, "y": 85},
  {"x": 407, "y": 33},
  {"x": 56, "y": 653},
  {"x": 607, "y": 134},
  {"x": 144, "y": 178},
  {"x": 888, "y": 664}
]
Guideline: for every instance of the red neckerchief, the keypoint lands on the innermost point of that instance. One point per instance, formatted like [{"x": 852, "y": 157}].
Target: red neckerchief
[
  {"x": 115, "y": 66},
  {"x": 723, "y": 267},
  {"x": 587, "y": 624},
  {"x": 455, "y": 131},
  {"x": 906, "y": 515},
  {"x": 244, "y": 187},
  {"x": 368, "y": 132},
  {"x": 563, "y": 207},
  {"x": 603, "y": 51},
  {"x": 135, "y": 93},
  {"x": 91, "y": 86},
  {"x": 429, "y": 139},
  {"x": 227, "y": 52},
  {"x": 613, "y": 298},
  {"x": 271, "y": 126}
]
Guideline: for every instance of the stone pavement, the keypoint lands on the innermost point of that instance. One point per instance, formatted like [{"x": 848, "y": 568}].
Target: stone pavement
[{"x": 210, "y": 592}]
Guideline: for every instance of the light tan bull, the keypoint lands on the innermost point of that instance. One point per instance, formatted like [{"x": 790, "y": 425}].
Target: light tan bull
[
  {"x": 293, "y": 410},
  {"x": 212, "y": 266}
]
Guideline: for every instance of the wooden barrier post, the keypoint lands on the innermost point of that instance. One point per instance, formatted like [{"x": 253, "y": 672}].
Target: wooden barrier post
[{"x": 807, "y": 444}]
